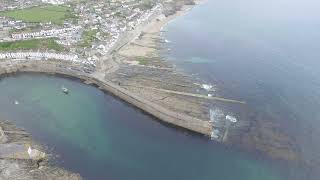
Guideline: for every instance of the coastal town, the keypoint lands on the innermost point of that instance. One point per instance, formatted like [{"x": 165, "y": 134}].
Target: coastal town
[
  {"x": 88, "y": 29},
  {"x": 103, "y": 42},
  {"x": 115, "y": 45},
  {"x": 115, "y": 42}
]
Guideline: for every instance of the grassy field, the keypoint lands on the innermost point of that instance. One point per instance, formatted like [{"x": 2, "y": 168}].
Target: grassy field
[
  {"x": 48, "y": 13},
  {"x": 34, "y": 44},
  {"x": 142, "y": 60},
  {"x": 88, "y": 37}
]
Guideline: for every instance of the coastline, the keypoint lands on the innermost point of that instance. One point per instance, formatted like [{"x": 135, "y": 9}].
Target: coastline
[
  {"x": 140, "y": 69},
  {"x": 144, "y": 42},
  {"x": 156, "y": 87},
  {"x": 153, "y": 28},
  {"x": 103, "y": 79},
  {"x": 176, "y": 102},
  {"x": 147, "y": 45},
  {"x": 139, "y": 81}
]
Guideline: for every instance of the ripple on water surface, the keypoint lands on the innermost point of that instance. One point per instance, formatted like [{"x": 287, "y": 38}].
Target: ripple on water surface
[{"x": 102, "y": 137}]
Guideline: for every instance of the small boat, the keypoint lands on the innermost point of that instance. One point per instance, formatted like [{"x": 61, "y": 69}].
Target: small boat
[
  {"x": 16, "y": 102},
  {"x": 65, "y": 90},
  {"x": 231, "y": 119}
]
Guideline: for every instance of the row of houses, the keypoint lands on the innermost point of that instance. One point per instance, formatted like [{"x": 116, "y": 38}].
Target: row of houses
[
  {"x": 55, "y": 2},
  {"x": 41, "y": 56},
  {"x": 44, "y": 33}
]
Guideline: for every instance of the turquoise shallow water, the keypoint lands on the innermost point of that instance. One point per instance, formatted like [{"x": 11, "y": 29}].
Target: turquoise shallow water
[{"x": 102, "y": 137}]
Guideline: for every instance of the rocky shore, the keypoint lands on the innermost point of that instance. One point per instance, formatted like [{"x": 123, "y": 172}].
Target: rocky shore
[{"x": 22, "y": 158}]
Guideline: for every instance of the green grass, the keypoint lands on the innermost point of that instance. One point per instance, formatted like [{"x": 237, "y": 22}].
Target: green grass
[
  {"x": 48, "y": 13},
  {"x": 88, "y": 37},
  {"x": 147, "y": 4},
  {"x": 119, "y": 14},
  {"x": 34, "y": 44},
  {"x": 142, "y": 60}
]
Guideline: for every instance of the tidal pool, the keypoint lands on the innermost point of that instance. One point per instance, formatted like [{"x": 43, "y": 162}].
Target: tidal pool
[{"x": 102, "y": 137}]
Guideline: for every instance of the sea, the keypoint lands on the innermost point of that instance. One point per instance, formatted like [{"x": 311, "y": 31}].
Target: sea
[
  {"x": 265, "y": 53},
  {"x": 99, "y": 136}
]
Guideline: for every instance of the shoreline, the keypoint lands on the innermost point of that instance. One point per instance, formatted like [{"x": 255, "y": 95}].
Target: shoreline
[
  {"x": 143, "y": 42},
  {"x": 154, "y": 26},
  {"x": 146, "y": 45},
  {"x": 99, "y": 78},
  {"x": 127, "y": 54}
]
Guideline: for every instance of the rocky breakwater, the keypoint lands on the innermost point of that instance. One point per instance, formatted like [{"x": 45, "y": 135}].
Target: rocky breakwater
[
  {"x": 172, "y": 117},
  {"x": 151, "y": 83},
  {"x": 22, "y": 158}
]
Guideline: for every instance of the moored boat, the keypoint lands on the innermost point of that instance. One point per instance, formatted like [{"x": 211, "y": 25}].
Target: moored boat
[{"x": 65, "y": 90}]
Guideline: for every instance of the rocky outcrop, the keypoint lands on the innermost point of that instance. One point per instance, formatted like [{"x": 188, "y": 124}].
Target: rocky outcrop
[
  {"x": 27, "y": 170},
  {"x": 23, "y": 159},
  {"x": 3, "y": 137},
  {"x": 20, "y": 152}
]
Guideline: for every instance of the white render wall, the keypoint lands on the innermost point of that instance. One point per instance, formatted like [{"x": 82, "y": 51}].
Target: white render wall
[
  {"x": 45, "y": 56},
  {"x": 44, "y": 33}
]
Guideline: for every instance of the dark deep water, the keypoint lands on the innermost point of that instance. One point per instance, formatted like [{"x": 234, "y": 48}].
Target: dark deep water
[
  {"x": 102, "y": 137},
  {"x": 265, "y": 53}
]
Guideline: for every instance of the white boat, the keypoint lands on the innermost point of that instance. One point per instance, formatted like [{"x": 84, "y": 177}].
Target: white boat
[
  {"x": 231, "y": 119},
  {"x": 65, "y": 90}
]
